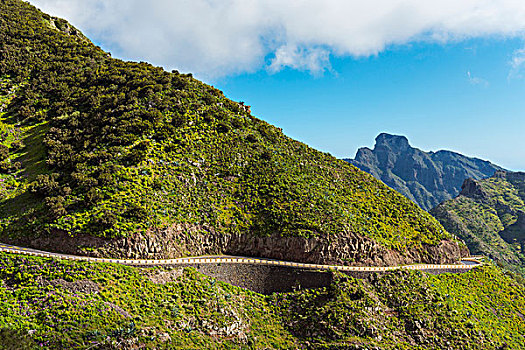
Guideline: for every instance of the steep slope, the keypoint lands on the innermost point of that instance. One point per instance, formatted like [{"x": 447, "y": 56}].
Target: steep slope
[
  {"x": 114, "y": 158},
  {"x": 482, "y": 309},
  {"x": 427, "y": 178},
  {"x": 489, "y": 215},
  {"x": 73, "y": 305}
]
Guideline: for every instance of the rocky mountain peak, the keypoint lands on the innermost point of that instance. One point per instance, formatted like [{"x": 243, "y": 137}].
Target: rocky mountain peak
[
  {"x": 394, "y": 143},
  {"x": 427, "y": 178}
]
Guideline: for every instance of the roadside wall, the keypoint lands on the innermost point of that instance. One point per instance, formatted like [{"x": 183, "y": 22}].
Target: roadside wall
[
  {"x": 261, "y": 275},
  {"x": 266, "y": 279}
]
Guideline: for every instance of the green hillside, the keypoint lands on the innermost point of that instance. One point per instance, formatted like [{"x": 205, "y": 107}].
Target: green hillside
[
  {"x": 127, "y": 152},
  {"x": 72, "y": 305},
  {"x": 489, "y": 215}
]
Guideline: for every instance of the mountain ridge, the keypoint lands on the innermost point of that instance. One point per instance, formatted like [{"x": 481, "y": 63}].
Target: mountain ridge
[
  {"x": 102, "y": 157},
  {"x": 426, "y": 178}
]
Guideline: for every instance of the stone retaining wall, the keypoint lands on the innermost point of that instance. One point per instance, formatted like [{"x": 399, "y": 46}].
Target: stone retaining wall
[{"x": 266, "y": 279}]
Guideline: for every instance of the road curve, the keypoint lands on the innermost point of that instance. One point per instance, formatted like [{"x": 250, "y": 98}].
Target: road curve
[{"x": 465, "y": 264}]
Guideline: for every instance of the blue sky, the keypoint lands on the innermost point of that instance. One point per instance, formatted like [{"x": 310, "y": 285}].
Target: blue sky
[
  {"x": 334, "y": 74},
  {"x": 463, "y": 96}
]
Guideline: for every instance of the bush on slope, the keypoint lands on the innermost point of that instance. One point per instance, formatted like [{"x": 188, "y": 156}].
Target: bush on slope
[
  {"x": 72, "y": 305},
  {"x": 481, "y": 309}
]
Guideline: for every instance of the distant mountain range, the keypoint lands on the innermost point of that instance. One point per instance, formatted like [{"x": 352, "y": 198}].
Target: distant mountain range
[
  {"x": 489, "y": 215},
  {"x": 427, "y": 178}
]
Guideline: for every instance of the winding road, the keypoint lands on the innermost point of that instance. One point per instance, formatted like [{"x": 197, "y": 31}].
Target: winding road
[{"x": 465, "y": 264}]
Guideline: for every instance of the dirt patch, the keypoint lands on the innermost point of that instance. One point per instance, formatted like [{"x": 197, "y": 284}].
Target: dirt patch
[
  {"x": 81, "y": 286},
  {"x": 160, "y": 276},
  {"x": 118, "y": 309}
]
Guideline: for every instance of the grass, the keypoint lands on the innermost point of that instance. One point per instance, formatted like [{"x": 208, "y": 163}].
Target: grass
[{"x": 126, "y": 307}]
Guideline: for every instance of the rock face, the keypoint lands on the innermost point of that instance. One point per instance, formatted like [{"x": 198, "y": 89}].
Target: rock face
[
  {"x": 427, "y": 178},
  {"x": 184, "y": 240},
  {"x": 489, "y": 215}
]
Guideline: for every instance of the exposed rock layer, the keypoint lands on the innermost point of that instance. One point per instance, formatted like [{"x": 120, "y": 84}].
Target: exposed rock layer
[{"x": 186, "y": 240}]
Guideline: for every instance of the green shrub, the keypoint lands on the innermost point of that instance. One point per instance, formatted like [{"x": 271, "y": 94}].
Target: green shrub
[{"x": 4, "y": 153}]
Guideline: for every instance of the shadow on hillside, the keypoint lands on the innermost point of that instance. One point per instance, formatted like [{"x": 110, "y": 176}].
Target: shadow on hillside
[{"x": 33, "y": 155}]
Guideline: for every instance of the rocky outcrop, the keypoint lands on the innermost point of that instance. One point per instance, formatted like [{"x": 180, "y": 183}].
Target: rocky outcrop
[
  {"x": 473, "y": 189},
  {"x": 427, "y": 178},
  {"x": 187, "y": 240}
]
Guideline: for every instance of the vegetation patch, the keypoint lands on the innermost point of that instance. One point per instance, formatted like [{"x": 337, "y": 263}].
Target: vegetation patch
[
  {"x": 72, "y": 305},
  {"x": 481, "y": 309}
]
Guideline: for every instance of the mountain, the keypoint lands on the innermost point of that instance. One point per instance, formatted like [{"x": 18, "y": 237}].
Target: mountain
[
  {"x": 489, "y": 215},
  {"x": 427, "y": 178},
  {"x": 111, "y": 158}
]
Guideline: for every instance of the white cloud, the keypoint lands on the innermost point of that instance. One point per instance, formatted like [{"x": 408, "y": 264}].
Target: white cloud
[
  {"x": 219, "y": 37},
  {"x": 313, "y": 59},
  {"x": 477, "y": 80},
  {"x": 517, "y": 62}
]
